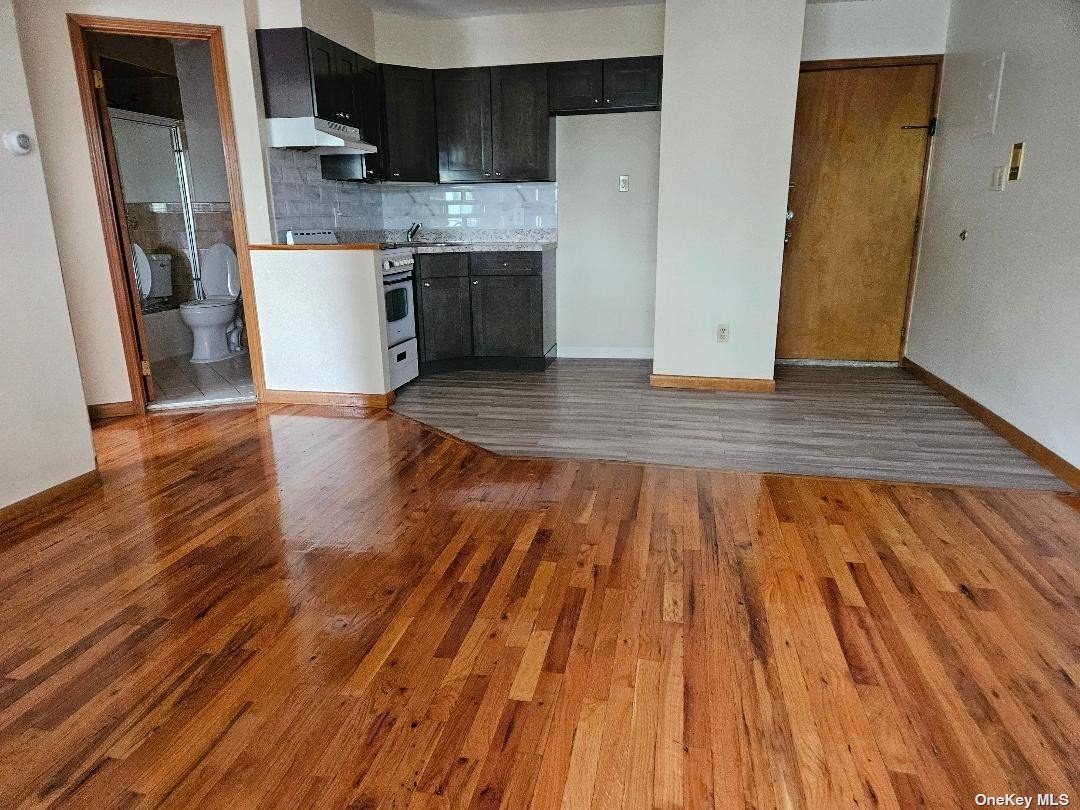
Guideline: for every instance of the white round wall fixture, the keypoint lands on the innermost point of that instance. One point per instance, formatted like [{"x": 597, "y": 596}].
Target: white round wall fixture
[{"x": 18, "y": 143}]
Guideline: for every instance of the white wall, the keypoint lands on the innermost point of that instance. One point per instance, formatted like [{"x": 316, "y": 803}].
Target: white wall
[
  {"x": 44, "y": 428},
  {"x": 853, "y": 29},
  {"x": 607, "y": 238},
  {"x": 731, "y": 71},
  {"x": 347, "y": 23},
  {"x": 206, "y": 158},
  {"x": 503, "y": 39},
  {"x": 998, "y": 316},
  {"x": 50, "y": 72}
]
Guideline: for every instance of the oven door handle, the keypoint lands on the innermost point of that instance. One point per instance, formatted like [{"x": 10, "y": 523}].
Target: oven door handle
[{"x": 397, "y": 278}]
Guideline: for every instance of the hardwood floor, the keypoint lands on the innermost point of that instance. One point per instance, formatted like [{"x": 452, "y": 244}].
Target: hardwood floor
[
  {"x": 871, "y": 423},
  {"x": 301, "y": 607}
]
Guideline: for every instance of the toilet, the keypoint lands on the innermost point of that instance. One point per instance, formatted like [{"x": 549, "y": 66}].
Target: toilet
[{"x": 215, "y": 321}]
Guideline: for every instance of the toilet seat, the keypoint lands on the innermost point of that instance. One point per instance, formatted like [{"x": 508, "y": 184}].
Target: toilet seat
[{"x": 210, "y": 302}]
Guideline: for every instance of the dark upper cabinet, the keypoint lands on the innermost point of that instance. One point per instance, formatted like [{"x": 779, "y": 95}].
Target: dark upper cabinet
[
  {"x": 609, "y": 85},
  {"x": 520, "y": 130},
  {"x": 445, "y": 318},
  {"x": 463, "y": 123},
  {"x": 492, "y": 124},
  {"x": 575, "y": 86},
  {"x": 507, "y": 316},
  {"x": 632, "y": 83},
  {"x": 408, "y": 146},
  {"x": 306, "y": 74}
]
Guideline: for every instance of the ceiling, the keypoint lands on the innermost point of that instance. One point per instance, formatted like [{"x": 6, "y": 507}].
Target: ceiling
[{"x": 446, "y": 9}]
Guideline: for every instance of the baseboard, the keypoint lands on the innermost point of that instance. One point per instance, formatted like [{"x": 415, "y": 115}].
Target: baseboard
[
  {"x": 744, "y": 385},
  {"x": 605, "y": 353},
  {"x": 36, "y": 504},
  {"x": 280, "y": 397},
  {"x": 110, "y": 410},
  {"x": 1012, "y": 434}
]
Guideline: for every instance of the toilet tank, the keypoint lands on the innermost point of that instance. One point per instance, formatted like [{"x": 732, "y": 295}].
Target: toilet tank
[{"x": 160, "y": 275}]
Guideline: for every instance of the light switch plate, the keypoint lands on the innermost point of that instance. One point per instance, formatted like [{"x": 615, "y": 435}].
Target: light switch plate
[
  {"x": 624, "y": 182},
  {"x": 723, "y": 333}
]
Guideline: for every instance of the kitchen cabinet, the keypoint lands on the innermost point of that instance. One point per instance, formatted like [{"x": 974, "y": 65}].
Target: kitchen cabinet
[
  {"x": 463, "y": 124},
  {"x": 409, "y": 146},
  {"x": 576, "y": 86},
  {"x": 520, "y": 127},
  {"x": 507, "y": 316},
  {"x": 304, "y": 74},
  {"x": 608, "y": 85},
  {"x": 492, "y": 124},
  {"x": 446, "y": 315},
  {"x": 487, "y": 309},
  {"x": 632, "y": 83}
]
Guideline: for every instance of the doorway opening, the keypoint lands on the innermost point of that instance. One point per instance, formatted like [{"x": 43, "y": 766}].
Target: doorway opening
[
  {"x": 863, "y": 136},
  {"x": 156, "y": 106}
]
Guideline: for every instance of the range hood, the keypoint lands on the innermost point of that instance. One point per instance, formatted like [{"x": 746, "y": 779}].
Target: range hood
[{"x": 316, "y": 135}]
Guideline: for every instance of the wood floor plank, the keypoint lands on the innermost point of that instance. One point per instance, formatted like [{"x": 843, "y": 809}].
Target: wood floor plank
[{"x": 301, "y": 606}]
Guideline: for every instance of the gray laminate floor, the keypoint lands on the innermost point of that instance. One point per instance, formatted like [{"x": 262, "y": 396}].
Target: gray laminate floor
[{"x": 876, "y": 423}]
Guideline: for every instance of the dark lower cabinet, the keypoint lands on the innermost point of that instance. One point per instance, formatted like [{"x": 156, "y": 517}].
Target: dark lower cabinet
[
  {"x": 446, "y": 318},
  {"x": 463, "y": 124},
  {"x": 487, "y": 309},
  {"x": 507, "y": 316}
]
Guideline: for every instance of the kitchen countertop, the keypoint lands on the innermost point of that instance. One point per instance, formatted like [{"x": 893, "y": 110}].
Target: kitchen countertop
[
  {"x": 479, "y": 247},
  {"x": 456, "y": 247}
]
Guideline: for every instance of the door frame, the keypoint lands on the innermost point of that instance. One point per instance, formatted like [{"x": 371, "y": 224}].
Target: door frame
[
  {"x": 937, "y": 61},
  {"x": 109, "y": 195}
]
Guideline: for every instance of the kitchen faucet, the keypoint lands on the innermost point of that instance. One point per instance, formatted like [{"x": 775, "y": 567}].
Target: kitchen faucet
[{"x": 414, "y": 230}]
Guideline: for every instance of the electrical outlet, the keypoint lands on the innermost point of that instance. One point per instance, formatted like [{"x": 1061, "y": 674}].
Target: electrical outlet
[
  {"x": 723, "y": 333},
  {"x": 624, "y": 182}
]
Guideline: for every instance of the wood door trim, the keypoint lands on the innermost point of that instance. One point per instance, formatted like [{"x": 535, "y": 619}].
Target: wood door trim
[
  {"x": 111, "y": 410},
  {"x": 872, "y": 62},
  {"x": 78, "y": 26},
  {"x": 39, "y": 502},
  {"x": 1008, "y": 431},
  {"x": 735, "y": 384}
]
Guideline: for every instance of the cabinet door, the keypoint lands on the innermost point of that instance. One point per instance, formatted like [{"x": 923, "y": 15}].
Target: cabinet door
[
  {"x": 575, "y": 86},
  {"x": 633, "y": 82},
  {"x": 445, "y": 318},
  {"x": 369, "y": 101},
  {"x": 323, "y": 59},
  {"x": 347, "y": 79},
  {"x": 507, "y": 316},
  {"x": 463, "y": 118},
  {"x": 410, "y": 150},
  {"x": 519, "y": 123}
]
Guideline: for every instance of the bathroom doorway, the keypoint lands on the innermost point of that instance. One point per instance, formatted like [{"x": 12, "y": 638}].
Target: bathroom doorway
[{"x": 157, "y": 113}]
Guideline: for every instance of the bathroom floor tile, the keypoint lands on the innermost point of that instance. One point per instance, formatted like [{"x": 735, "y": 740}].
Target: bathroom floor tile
[{"x": 178, "y": 381}]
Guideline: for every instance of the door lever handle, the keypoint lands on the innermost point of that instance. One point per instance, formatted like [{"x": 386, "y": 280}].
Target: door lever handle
[{"x": 930, "y": 128}]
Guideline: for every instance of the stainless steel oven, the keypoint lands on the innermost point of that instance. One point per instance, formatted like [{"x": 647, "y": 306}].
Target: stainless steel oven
[
  {"x": 400, "y": 307},
  {"x": 397, "y": 268}
]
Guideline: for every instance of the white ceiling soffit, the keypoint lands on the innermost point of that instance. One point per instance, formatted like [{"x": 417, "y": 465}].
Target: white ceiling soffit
[{"x": 448, "y": 9}]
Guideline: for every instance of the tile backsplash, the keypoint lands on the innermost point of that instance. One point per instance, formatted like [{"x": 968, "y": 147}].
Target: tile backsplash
[{"x": 485, "y": 212}]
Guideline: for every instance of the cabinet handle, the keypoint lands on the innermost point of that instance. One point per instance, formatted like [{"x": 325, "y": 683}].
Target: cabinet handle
[
  {"x": 607, "y": 100},
  {"x": 596, "y": 101},
  {"x": 487, "y": 174},
  {"x": 498, "y": 174},
  {"x": 475, "y": 283},
  {"x": 506, "y": 264},
  {"x": 397, "y": 174},
  {"x": 427, "y": 283}
]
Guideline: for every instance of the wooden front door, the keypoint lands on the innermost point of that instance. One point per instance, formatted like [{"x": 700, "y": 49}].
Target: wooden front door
[{"x": 857, "y": 178}]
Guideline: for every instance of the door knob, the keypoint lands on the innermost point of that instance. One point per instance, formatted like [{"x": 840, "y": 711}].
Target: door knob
[{"x": 790, "y": 216}]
